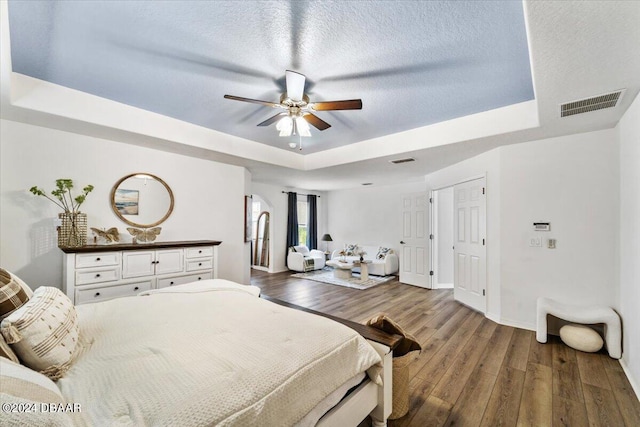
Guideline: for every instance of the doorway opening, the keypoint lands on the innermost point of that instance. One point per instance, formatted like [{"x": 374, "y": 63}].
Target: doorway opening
[
  {"x": 458, "y": 241},
  {"x": 443, "y": 235}
]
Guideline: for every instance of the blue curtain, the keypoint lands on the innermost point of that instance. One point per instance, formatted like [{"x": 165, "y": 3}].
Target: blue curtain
[
  {"x": 312, "y": 222},
  {"x": 292, "y": 222}
]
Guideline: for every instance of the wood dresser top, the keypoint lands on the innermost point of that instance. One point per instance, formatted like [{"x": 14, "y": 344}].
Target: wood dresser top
[{"x": 139, "y": 246}]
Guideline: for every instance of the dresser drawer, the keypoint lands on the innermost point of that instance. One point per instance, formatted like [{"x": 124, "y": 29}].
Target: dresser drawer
[
  {"x": 199, "y": 252},
  {"x": 108, "y": 292},
  {"x": 175, "y": 281},
  {"x": 84, "y": 277},
  {"x": 101, "y": 259},
  {"x": 200, "y": 264}
]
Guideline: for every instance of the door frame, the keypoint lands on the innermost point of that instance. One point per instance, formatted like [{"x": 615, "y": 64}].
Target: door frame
[
  {"x": 433, "y": 227},
  {"x": 433, "y": 231}
]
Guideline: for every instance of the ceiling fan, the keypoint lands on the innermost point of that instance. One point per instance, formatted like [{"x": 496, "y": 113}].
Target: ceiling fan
[{"x": 298, "y": 110}]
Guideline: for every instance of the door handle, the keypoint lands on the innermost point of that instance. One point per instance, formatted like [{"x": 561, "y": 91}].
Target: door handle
[{"x": 402, "y": 242}]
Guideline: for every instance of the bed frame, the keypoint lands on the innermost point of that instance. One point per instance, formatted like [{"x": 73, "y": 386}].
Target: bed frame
[{"x": 368, "y": 398}]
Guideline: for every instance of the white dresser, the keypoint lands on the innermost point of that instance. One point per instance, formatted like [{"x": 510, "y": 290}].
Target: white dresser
[{"x": 100, "y": 272}]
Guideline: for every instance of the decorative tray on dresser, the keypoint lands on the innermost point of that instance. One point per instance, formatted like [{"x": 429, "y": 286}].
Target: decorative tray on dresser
[{"x": 100, "y": 272}]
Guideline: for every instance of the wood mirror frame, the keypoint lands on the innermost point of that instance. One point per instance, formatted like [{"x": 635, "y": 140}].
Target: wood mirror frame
[{"x": 136, "y": 224}]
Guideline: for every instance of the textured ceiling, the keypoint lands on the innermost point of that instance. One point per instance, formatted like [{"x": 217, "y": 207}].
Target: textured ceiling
[{"x": 412, "y": 63}]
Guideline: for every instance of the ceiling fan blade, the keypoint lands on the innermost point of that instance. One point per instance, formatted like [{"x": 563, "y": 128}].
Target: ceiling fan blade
[
  {"x": 316, "y": 121},
  {"x": 253, "y": 101},
  {"x": 351, "y": 104},
  {"x": 295, "y": 85},
  {"x": 272, "y": 120}
]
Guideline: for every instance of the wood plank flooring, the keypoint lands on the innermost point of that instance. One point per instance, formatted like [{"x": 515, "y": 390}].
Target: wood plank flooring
[{"x": 473, "y": 372}]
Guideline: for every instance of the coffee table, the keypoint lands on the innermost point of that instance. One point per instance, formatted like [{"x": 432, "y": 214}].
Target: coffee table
[{"x": 341, "y": 270}]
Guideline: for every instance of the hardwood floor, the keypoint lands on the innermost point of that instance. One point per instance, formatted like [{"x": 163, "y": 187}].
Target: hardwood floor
[{"x": 472, "y": 371}]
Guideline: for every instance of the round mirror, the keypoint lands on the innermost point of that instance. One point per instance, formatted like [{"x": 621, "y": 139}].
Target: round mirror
[{"x": 142, "y": 200}]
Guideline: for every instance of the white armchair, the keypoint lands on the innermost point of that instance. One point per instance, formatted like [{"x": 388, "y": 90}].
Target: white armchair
[{"x": 300, "y": 258}]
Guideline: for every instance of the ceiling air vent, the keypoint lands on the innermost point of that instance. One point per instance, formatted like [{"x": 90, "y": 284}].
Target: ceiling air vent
[
  {"x": 398, "y": 161},
  {"x": 591, "y": 104}
]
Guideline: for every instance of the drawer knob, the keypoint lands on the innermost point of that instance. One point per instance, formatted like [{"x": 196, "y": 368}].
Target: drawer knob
[
  {"x": 136, "y": 288},
  {"x": 97, "y": 275},
  {"x": 199, "y": 263},
  {"x": 98, "y": 259},
  {"x": 170, "y": 284},
  {"x": 199, "y": 252},
  {"x": 199, "y": 278},
  {"x": 97, "y": 294}
]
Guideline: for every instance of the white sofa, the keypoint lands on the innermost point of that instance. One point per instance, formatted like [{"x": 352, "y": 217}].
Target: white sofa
[
  {"x": 296, "y": 259},
  {"x": 379, "y": 267}
]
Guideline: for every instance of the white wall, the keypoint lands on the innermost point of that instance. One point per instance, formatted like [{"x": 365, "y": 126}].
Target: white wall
[
  {"x": 368, "y": 216},
  {"x": 444, "y": 237},
  {"x": 629, "y": 136},
  {"x": 208, "y": 197},
  {"x": 273, "y": 195},
  {"x": 571, "y": 182}
]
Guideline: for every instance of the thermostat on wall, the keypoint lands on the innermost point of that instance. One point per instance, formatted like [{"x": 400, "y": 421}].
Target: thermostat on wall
[{"x": 542, "y": 226}]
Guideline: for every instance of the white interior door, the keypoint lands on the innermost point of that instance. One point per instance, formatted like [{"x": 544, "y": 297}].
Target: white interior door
[
  {"x": 469, "y": 244},
  {"x": 414, "y": 252}
]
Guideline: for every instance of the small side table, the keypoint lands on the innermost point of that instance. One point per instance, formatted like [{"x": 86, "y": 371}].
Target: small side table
[
  {"x": 327, "y": 256},
  {"x": 364, "y": 269}
]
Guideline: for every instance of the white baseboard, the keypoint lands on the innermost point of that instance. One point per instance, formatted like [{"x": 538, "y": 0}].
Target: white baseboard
[
  {"x": 259, "y": 267},
  {"x": 513, "y": 323},
  {"x": 632, "y": 381},
  {"x": 444, "y": 286}
]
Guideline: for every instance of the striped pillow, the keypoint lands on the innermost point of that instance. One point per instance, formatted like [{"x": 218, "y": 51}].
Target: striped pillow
[
  {"x": 44, "y": 332},
  {"x": 23, "y": 388},
  {"x": 13, "y": 293},
  {"x": 6, "y": 352}
]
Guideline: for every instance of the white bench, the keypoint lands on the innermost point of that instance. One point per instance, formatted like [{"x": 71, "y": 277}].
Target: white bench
[{"x": 582, "y": 314}]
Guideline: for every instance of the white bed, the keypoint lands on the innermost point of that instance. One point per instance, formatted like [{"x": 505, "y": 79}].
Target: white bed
[{"x": 214, "y": 353}]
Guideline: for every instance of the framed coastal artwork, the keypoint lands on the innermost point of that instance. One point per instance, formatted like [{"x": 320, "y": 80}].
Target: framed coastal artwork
[{"x": 127, "y": 201}]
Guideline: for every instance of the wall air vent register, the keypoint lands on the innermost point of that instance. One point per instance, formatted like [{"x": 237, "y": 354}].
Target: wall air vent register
[{"x": 599, "y": 102}]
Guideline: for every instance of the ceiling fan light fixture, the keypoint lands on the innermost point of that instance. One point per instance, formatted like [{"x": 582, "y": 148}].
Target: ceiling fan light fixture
[
  {"x": 285, "y": 126},
  {"x": 302, "y": 126}
]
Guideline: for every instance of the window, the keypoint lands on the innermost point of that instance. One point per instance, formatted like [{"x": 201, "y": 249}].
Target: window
[{"x": 303, "y": 209}]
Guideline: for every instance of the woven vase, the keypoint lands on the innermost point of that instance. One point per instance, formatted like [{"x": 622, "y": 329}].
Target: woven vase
[{"x": 73, "y": 231}]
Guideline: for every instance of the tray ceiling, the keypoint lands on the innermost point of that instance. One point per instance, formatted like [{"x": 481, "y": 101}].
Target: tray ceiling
[{"x": 412, "y": 63}]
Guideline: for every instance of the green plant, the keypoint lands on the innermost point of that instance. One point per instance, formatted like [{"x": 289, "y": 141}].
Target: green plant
[{"x": 62, "y": 196}]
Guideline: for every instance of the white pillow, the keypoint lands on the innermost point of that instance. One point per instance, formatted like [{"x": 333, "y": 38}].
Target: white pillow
[
  {"x": 301, "y": 249},
  {"x": 22, "y": 388},
  {"x": 44, "y": 332}
]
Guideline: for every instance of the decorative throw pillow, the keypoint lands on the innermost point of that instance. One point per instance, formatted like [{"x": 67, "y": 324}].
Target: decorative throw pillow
[
  {"x": 383, "y": 252},
  {"x": 44, "y": 332},
  {"x": 350, "y": 250},
  {"x": 23, "y": 388},
  {"x": 6, "y": 352},
  {"x": 13, "y": 293},
  {"x": 301, "y": 249}
]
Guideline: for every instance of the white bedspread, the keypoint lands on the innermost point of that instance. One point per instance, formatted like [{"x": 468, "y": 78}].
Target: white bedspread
[{"x": 211, "y": 355}]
